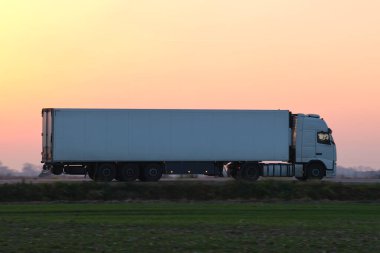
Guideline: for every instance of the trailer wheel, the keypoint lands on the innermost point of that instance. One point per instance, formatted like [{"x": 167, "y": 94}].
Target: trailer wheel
[
  {"x": 315, "y": 171},
  {"x": 128, "y": 172},
  {"x": 105, "y": 172},
  {"x": 57, "y": 169},
  {"x": 91, "y": 171},
  {"x": 91, "y": 174},
  {"x": 249, "y": 172},
  {"x": 151, "y": 172},
  {"x": 232, "y": 170}
]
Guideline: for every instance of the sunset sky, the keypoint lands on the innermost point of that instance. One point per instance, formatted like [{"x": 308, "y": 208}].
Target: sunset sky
[{"x": 313, "y": 56}]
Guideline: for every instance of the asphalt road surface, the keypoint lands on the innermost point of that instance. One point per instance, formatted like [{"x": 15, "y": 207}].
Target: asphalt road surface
[{"x": 64, "y": 178}]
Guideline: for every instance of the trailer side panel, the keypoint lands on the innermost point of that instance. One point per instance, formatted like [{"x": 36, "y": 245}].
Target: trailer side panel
[{"x": 170, "y": 135}]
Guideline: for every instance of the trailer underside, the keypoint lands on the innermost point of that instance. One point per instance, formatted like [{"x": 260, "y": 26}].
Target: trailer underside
[{"x": 152, "y": 171}]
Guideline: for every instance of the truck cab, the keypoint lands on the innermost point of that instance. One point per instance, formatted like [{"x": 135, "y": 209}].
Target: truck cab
[{"x": 315, "y": 148}]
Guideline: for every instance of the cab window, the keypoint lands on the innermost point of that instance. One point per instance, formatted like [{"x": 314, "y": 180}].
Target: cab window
[{"x": 323, "y": 138}]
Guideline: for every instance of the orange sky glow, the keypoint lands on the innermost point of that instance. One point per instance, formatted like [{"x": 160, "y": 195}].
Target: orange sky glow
[{"x": 314, "y": 56}]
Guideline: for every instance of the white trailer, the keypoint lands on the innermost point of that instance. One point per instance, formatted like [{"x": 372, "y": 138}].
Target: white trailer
[{"x": 127, "y": 144}]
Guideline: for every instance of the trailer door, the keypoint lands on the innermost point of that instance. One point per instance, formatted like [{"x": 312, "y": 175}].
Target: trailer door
[{"x": 47, "y": 137}]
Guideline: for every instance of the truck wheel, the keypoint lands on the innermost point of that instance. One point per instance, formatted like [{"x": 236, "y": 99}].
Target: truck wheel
[
  {"x": 232, "y": 170},
  {"x": 105, "y": 172},
  {"x": 151, "y": 172},
  {"x": 233, "y": 173},
  {"x": 128, "y": 172},
  {"x": 91, "y": 171},
  {"x": 91, "y": 174},
  {"x": 315, "y": 171},
  {"x": 57, "y": 169},
  {"x": 249, "y": 172}
]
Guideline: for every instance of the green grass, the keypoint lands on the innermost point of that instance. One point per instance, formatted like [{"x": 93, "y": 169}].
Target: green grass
[
  {"x": 264, "y": 190},
  {"x": 190, "y": 227}
]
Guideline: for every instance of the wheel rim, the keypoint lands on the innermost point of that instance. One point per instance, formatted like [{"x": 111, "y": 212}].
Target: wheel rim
[
  {"x": 106, "y": 173},
  {"x": 153, "y": 172},
  {"x": 315, "y": 172},
  {"x": 129, "y": 172},
  {"x": 251, "y": 172}
]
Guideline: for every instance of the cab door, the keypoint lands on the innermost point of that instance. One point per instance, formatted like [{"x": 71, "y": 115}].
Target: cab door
[
  {"x": 325, "y": 149},
  {"x": 304, "y": 137},
  {"x": 308, "y": 145}
]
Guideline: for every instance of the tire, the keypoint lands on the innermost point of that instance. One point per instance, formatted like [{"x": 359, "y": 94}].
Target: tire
[
  {"x": 315, "y": 171},
  {"x": 249, "y": 172},
  {"x": 233, "y": 173},
  {"x": 151, "y": 172},
  {"x": 232, "y": 170},
  {"x": 128, "y": 172},
  {"x": 91, "y": 172},
  {"x": 105, "y": 172},
  {"x": 91, "y": 175},
  {"x": 57, "y": 169}
]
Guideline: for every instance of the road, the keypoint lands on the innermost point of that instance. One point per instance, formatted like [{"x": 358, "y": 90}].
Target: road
[{"x": 63, "y": 178}]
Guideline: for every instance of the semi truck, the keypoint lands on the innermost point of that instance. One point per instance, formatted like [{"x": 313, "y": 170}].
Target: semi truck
[{"x": 144, "y": 144}]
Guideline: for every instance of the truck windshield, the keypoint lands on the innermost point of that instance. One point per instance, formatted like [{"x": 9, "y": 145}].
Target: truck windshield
[{"x": 332, "y": 139}]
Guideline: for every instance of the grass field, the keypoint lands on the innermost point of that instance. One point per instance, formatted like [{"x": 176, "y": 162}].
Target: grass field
[
  {"x": 180, "y": 190},
  {"x": 190, "y": 227}
]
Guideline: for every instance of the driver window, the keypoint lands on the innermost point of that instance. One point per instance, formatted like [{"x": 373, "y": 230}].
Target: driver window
[{"x": 323, "y": 138}]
